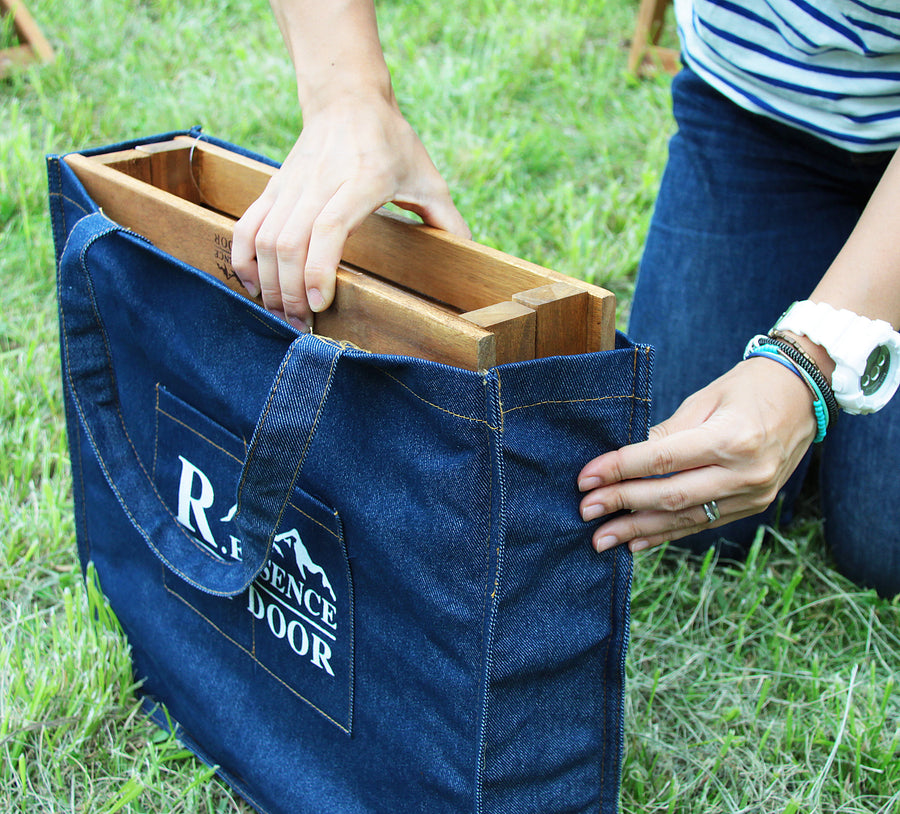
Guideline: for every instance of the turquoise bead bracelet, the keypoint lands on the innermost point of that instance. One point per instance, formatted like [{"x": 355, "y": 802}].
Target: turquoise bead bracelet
[{"x": 777, "y": 354}]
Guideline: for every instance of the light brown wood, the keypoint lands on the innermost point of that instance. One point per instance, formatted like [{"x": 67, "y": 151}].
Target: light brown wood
[
  {"x": 189, "y": 232},
  {"x": 14, "y": 55},
  {"x": 367, "y": 312},
  {"x": 132, "y": 162},
  {"x": 382, "y": 318},
  {"x": 645, "y": 55},
  {"x": 227, "y": 180},
  {"x": 33, "y": 44},
  {"x": 561, "y": 310},
  {"x": 461, "y": 273},
  {"x": 513, "y": 326},
  {"x": 165, "y": 165},
  {"x": 172, "y": 179}
]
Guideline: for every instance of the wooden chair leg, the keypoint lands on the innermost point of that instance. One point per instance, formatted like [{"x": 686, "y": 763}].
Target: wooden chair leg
[
  {"x": 648, "y": 27},
  {"x": 33, "y": 45}
]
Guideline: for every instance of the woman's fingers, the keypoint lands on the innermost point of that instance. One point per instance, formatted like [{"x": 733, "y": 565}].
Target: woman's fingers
[
  {"x": 243, "y": 245},
  {"x": 349, "y": 160},
  {"x": 722, "y": 456}
]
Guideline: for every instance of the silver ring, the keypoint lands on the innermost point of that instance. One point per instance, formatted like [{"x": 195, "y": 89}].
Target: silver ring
[{"x": 712, "y": 511}]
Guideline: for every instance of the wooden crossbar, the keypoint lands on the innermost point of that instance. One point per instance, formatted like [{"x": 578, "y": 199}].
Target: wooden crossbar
[
  {"x": 459, "y": 272},
  {"x": 33, "y": 45},
  {"x": 366, "y": 311},
  {"x": 645, "y": 54},
  {"x": 402, "y": 287}
]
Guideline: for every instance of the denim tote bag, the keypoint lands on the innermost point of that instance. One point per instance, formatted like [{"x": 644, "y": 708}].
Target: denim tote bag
[{"x": 352, "y": 582}]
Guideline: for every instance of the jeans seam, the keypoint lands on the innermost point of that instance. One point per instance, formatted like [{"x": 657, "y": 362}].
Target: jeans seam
[
  {"x": 437, "y": 406},
  {"x": 197, "y": 433},
  {"x": 496, "y": 414},
  {"x": 252, "y": 655},
  {"x": 631, "y": 396}
]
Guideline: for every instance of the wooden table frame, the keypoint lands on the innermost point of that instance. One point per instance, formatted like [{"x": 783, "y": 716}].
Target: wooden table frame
[{"x": 402, "y": 287}]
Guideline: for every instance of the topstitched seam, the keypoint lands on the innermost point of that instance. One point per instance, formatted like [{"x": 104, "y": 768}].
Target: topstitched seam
[{"x": 140, "y": 463}]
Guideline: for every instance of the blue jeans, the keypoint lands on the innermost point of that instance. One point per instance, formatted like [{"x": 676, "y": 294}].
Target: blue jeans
[{"x": 749, "y": 216}]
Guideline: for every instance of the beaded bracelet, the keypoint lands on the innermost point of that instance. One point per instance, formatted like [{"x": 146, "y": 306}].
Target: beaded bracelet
[
  {"x": 805, "y": 362},
  {"x": 768, "y": 350}
]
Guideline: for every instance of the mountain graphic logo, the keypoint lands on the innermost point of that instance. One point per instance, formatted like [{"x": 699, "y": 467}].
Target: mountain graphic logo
[{"x": 305, "y": 564}]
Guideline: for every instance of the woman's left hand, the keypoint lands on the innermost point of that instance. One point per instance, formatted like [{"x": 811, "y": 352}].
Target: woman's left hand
[{"x": 735, "y": 442}]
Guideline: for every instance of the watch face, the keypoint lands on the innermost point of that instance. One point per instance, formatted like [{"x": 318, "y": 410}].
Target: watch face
[{"x": 878, "y": 366}]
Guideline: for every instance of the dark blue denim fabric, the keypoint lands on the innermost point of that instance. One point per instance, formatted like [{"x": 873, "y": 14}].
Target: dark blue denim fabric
[
  {"x": 357, "y": 582},
  {"x": 749, "y": 216}
]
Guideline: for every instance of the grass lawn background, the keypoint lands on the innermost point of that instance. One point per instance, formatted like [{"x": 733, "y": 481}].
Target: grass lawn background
[{"x": 769, "y": 687}]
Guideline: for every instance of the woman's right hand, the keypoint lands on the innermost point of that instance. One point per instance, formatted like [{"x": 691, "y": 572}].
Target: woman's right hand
[{"x": 353, "y": 155}]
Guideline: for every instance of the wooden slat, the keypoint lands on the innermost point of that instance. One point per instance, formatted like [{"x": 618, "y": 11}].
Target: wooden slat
[
  {"x": 459, "y": 272},
  {"x": 450, "y": 270},
  {"x": 33, "y": 44},
  {"x": 132, "y": 162},
  {"x": 170, "y": 169},
  {"x": 513, "y": 327},
  {"x": 15, "y": 55},
  {"x": 647, "y": 27},
  {"x": 165, "y": 165},
  {"x": 645, "y": 55},
  {"x": 380, "y": 317},
  {"x": 228, "y": 181},
  {"x": 189, "y": 232},
  {"x": 562, "y": 311},
  {"x": 202, "y": 238}
]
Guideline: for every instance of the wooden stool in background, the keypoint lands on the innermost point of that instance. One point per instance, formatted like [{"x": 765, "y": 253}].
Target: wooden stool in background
[
  {"x": 645, "y": 53},
  {"x": 33, "y": 45}
]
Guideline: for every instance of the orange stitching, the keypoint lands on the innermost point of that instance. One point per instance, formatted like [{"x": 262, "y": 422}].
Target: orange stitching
[
  {"x": 156, "y": 434},
  {"x": 633, "y": 385},
  {"x": 240, "y": 647},
  {"x": 436, "y": 406},
  {"x": 312, "y": 519},
  {"x": 198, "y": 433},
  {"x": 575, "y": 401}
]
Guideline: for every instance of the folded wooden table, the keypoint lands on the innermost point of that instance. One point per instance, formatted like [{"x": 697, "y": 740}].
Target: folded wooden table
[{"x": 402, "y": 287}]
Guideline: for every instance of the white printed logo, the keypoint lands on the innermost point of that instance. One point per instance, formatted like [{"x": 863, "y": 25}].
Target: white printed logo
[
  {"x": 305, "y": 565},
  {"x": 285, "y": 595}
]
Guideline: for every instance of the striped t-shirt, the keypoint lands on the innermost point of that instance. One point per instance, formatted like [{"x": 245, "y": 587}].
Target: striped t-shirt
[{"x": 830, "y": 67}]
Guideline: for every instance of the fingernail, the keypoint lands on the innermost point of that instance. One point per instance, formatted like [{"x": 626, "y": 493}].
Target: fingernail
[
  {"x": 606, "y": 542},
  {"x": 252, "y": 290},
  {"x": 315, "y": 299},
  {"x": 638, "y": 545},
  {"x": 586, "y": 484},
  {"x": 301, "y": 325},
  {"x": 592, "y": 512}
]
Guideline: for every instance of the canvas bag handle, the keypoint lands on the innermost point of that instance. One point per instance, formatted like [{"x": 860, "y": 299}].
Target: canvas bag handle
[{"x": 274, "y": 457}]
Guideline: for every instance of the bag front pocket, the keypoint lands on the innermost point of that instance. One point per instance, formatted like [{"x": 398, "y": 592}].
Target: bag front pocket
[{"x": 296, "y": 619}]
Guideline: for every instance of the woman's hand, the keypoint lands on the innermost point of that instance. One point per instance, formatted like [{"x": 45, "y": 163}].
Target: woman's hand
[
  {"x": 736, "y": 442},
  {"x": 353, "y": 156}
]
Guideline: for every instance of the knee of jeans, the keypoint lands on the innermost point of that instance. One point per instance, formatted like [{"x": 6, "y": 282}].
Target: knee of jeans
[
  {"x": 868, "y": 559},
  {"x": 731, "y": 541}
]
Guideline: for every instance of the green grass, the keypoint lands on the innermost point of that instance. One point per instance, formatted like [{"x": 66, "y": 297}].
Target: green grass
[
  {"x": 768, "y": 687},
  {"x": 8, "y": 38}
]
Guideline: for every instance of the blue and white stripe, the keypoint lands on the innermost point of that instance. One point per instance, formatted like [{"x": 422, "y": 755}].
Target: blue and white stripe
[{"x": 830, "y": 67}]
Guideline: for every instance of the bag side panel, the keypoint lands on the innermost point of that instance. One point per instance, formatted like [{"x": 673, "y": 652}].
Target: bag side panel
[{"x": 553, "y": 722}]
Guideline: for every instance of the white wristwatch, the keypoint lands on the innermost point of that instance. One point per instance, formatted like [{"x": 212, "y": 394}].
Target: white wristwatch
[{"x": 866, "y": 352}]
